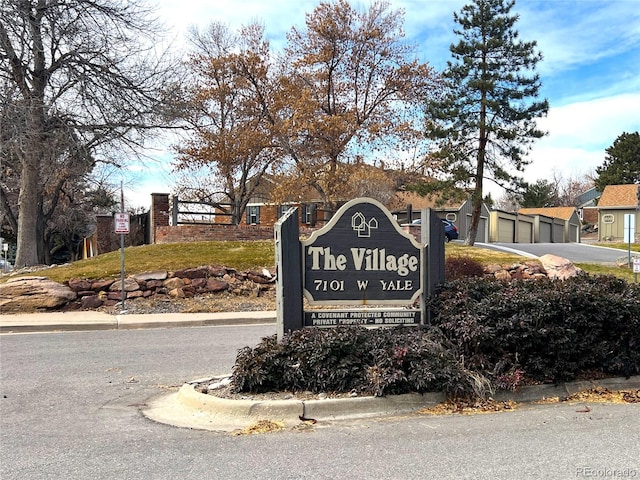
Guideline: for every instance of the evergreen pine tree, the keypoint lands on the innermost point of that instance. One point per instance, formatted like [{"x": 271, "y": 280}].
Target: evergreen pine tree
[
  {"x": 622, "y": 163},
  {"x": 485, "y": 122}
]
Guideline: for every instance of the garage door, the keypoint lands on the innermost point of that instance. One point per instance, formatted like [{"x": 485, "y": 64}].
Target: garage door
[
  {"x": 545, "y": 233},
  {"x": 525, "y": 232},
  {"x": 506, "y": 230}
]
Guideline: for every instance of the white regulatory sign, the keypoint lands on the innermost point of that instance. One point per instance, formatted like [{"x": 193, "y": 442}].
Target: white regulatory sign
[
  {"x": 636, "y": 265},
  {"x": 121, "y": 223}
]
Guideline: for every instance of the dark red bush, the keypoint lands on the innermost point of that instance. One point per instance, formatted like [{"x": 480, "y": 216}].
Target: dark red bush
[{"x": 462, "y": 266}]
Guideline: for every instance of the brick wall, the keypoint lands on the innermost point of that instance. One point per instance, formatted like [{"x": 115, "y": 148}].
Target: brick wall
[
  {"x": 210, "y": 233},
  {"x": 199, "y": 233},
  {"x": 108, "y": 241},
  {"x": 162, "y": 232},
  {"x": 159, "y": 213}
]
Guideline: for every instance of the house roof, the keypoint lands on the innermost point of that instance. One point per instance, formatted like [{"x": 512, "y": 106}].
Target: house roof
[
  {"x": 564, "y": 213},
  {"x": 588, "y": 197},
  {"x": 619, "y": 196}
]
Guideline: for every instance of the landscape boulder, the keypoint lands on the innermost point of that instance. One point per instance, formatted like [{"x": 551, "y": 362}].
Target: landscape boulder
[
  {"x": 173, "y": 283},
  {"x": 558, "y": 267},
  {"x": 130, "y": 285},
  {"x": 198, "y": 272},
  {"x": 33, "y": 293},
  {"x": 215, "y": 285}
]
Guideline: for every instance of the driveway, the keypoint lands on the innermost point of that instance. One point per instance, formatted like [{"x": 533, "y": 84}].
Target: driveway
[{"x": 575, "y": 252}]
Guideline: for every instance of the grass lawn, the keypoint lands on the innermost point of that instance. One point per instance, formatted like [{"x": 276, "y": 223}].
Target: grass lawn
[{"x": 251, "y": 255}]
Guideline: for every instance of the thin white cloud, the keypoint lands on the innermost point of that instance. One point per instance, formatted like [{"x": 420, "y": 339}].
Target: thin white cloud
[
  {"x": 574, "y": 33},
  {"x": 592, "y": 123},
  {"x": 579, "y": 134}
]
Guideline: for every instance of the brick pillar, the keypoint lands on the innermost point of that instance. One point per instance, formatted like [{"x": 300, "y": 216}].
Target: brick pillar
[{"x": 159, "y": 213}]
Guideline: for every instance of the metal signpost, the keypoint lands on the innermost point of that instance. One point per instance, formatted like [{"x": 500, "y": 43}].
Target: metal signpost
[
  {"x": 629, "y": 233},
  {"x": 121, "y": 223}
]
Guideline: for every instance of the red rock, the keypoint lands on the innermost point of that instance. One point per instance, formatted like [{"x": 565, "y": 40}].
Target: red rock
[
  {"x": 98, "y": 285},
  {"x": 89, "y": 303},
  {"x": 114, "y": 295},
  {"x": 217, "y": 271},
  {"x": 79, "y": 284},
  {"x": 151, "y": 284},
  {"x": 199, "y": 282},
  {"x": 199, "y": 272},
  {"x": 258, "y": 278},
  {"x": 214, "y": 285}
]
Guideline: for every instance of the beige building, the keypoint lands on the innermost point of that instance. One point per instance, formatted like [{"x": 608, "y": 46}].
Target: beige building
[
  {"x": 457, "y": 212},
  {"x": 616, "y": 202},
  {"x": 546, "y": 230}
]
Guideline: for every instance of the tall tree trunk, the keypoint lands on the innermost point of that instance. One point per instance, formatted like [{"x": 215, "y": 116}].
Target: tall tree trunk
[
  {"x": 28, "y": 204},
  {"x": 476, "y": 197},
  {"x": 30, "y": 197},
  {"x": 476, "y": 202}
]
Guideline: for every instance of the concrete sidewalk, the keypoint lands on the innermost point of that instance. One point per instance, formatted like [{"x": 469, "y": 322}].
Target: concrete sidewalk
[{"x": 91, "y": 320}]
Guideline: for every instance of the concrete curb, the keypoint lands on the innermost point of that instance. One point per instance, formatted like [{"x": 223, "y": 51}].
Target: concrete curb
[
  {"x": 91, "y": 320},
  {"x": 57, "y": 321},
  {"x": 171, "y": 320},
  {"x": 563, "y": 390},
  {"x": 255, "y": 409},
  {"x": 359, "y": 407},
  {"x": 191, "y": 409}
]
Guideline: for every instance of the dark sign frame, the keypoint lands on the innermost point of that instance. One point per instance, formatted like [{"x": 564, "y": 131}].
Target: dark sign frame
[{"x": 362, "y": 246}]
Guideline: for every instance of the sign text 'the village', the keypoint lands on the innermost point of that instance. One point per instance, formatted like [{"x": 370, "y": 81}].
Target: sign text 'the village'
[{"x": 362, "y": 257}]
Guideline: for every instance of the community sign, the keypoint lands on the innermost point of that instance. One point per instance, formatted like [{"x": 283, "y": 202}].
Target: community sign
[{"x": 362, "y": 257}]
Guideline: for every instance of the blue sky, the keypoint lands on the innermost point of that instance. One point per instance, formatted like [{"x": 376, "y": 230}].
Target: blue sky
[{"x": 590, "y": 72}]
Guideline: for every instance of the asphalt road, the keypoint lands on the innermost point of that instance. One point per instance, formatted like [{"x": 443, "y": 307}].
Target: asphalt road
[
  {"x": 575, "y": 252},
  {"x": 69, "y": 409}
]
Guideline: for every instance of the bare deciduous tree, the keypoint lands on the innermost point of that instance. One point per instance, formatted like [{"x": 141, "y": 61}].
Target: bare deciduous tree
[{"x": 80, "y": 78}]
